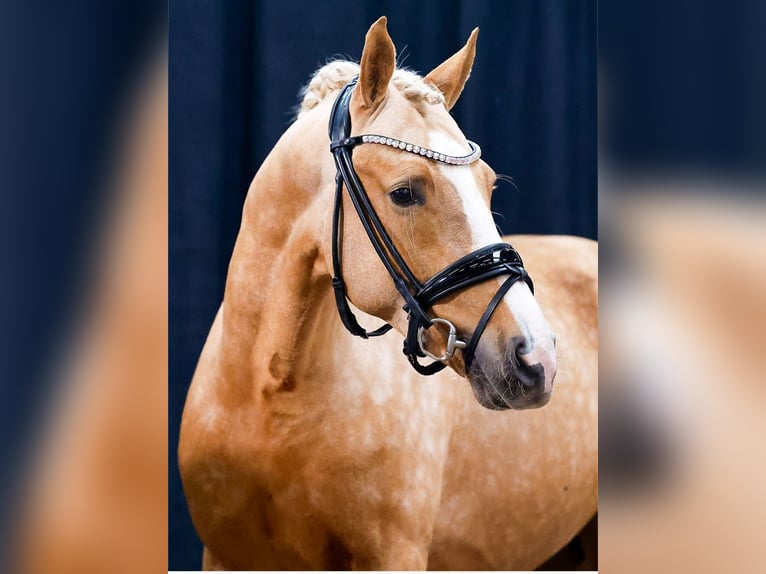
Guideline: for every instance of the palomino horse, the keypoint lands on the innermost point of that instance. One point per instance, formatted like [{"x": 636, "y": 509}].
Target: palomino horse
[{"x": 303, "y": 446}]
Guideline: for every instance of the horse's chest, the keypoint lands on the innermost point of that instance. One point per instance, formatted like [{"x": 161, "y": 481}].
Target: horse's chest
[
  {"x": 358, "y": 461},
  {"x": 386, "y": 438}
]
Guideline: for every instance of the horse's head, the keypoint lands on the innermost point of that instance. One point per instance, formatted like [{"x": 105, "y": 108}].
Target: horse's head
[{"x": 436, "y": 213}]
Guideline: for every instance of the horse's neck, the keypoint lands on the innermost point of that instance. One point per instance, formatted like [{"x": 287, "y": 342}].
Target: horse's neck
[{"x": 278, "y": 313}]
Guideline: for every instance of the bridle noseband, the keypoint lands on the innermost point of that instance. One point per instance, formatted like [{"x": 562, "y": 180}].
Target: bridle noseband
[{"x": 481, "y": 265}]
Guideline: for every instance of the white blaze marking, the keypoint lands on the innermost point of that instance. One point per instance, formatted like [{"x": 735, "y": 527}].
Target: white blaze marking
[
  {"x": 519, "y": 299},
  {"x": 534, "y": 327},
  {"x": 480, "y": 223}
]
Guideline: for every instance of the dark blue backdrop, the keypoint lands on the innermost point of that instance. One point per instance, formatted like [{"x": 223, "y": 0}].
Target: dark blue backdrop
[{"x": 235, "y": 71}]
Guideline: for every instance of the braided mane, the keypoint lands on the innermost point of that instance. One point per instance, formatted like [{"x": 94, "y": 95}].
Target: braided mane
[{"x": 334, "y": 75}]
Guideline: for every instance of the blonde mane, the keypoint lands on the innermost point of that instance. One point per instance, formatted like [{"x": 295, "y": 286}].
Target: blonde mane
[{"x": 334, "y": 75}]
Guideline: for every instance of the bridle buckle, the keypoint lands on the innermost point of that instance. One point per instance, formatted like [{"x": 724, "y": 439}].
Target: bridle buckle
[{"x": 453, "y": 343}]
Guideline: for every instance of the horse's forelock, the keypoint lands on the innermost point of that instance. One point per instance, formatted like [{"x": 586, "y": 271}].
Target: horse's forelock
[{"x": 334, "y": 75}]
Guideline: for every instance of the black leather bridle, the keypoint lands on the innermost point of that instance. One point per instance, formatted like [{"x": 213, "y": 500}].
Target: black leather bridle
[{"x": 476, "y": 267}]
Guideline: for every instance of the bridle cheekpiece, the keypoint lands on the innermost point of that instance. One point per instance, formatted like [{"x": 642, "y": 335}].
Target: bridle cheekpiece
[{"x": 478, "y": 266}]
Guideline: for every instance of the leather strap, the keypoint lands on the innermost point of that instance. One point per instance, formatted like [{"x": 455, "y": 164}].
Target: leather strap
[
  {"x": 341, "y": 299},
  {"x": 468, "y": 352}
]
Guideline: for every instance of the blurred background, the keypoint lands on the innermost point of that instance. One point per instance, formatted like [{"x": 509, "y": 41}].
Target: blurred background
[
  {"x": 80, "y": 93},
  {"x": 236, "y": 69},
  {"x": 84, "y": 415},
  {"x": 682, "y": 227}
]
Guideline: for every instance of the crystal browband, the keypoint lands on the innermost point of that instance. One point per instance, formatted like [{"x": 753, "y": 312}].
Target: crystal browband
[{"x": 412, "y": 148}]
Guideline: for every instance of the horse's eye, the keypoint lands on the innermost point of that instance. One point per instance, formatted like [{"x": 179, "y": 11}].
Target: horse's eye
[{"x": 403, "y": 196}]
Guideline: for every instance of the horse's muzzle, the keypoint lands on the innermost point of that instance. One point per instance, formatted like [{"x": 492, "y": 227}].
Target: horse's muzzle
[{"x": 520, "y": 378}]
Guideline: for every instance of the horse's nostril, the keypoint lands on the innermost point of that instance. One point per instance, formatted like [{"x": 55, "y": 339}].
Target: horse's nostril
[
  {"x": 521, "y": 346},
  {"x": 528, "y": 375}
]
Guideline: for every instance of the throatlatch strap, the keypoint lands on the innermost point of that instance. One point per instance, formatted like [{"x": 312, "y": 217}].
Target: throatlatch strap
[{"x": 341, "y": 299}]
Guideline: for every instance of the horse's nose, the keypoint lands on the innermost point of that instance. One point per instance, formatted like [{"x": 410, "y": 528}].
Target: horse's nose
[
  {"x": 534, "y": 363},
  {"x": 530, "y": 374}
]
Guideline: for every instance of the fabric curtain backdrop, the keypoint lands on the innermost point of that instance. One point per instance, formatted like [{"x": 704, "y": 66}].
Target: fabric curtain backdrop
[{"x": 235, "y": 71}]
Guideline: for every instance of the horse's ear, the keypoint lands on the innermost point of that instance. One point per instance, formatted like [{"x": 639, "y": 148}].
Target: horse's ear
[
  {"x": 377, "y": 65},
  {"x": 450, "y": 76}
]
